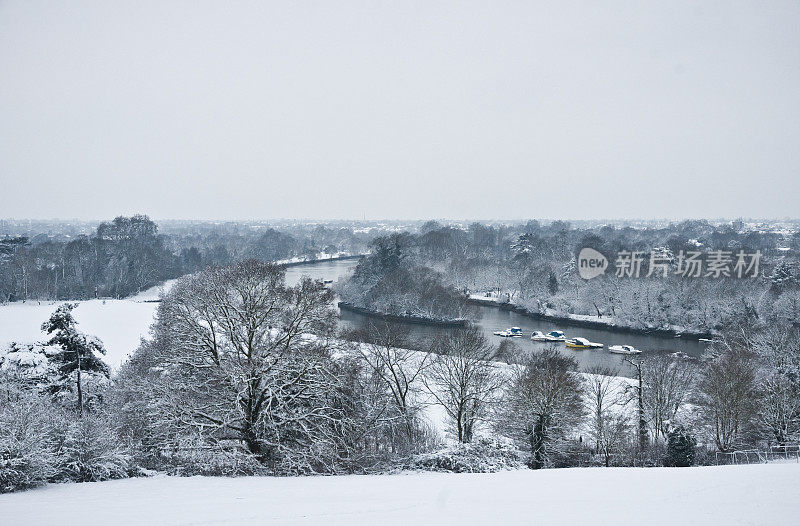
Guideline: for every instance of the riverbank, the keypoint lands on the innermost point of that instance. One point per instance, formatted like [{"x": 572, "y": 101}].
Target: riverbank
[
  {"x": 148, "y": 296},
  {"x": 587, "y": 323},
  {"x": 402, "y": 318},
  {"x": 300, "y": 262}
]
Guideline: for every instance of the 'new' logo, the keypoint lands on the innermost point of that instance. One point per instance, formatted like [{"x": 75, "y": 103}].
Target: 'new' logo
[{"x": 591, "y": 263}]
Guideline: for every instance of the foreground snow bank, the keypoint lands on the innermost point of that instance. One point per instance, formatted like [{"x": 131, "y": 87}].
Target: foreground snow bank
[{"x": 756, "y": 494}]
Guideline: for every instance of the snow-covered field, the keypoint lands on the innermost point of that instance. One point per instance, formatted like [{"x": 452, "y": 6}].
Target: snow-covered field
[
  {"x": 120, "y": 324},
  {"x": 725, "y": 495}
]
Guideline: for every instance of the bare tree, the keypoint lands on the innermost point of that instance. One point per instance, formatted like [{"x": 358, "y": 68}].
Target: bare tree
[
  {"x": 463, "y": 379},
  {"x": 779, "y": 383},
  {"x": 398, "y": 369},
  {"x": 728, "y": 394},
  {"x": 508, "y": 351},
  {"x": 779, "y": 407},
  {"x": 638, "y": 391},
  {"x": 615, "y": 436},
  {"x": 668, "y": 383},
  {"x": 544, "y": 403},
  {"x": 605, "y": 395}
]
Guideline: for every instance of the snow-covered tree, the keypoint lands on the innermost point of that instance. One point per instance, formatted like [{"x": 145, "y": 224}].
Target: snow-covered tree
[
  {"x": 608, "y": 414},
  {"x": 668, "y": 384},
  {"x": 27, "y": 458},
  {"x": 463, "y": 379},
  {"x": 29, "y": 361},
  {"x": 398, "y": 370},
  {"x": 91, "y": 451},
  {"x": 680, "y": 447},
  {"x": 615, "y": 436},
  {"x": 544, "y": 404},
  {"x": 779, "y": 383},
  {"x": 79, "y": 353},
  {"x": 728, "y": 395},
  {"x": 242, "y": 358}
]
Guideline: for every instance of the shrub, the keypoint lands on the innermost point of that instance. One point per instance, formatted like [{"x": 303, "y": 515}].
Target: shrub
[
  {"x": 92, "y": 451},
  {"x": 482, "y": 456},
  {"x": 26, "y": 457}
]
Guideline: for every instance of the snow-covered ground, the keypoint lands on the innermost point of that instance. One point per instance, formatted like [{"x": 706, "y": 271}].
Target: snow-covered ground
[
  {"x": 725, "y": 495},
  {"x": 508, "y": 297},
  {"x": 120, "y": 324}
]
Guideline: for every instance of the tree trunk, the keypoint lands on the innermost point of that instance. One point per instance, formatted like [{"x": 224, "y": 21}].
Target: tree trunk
[
  {"x": 642, "y": 418},
  {"x": 538, "y": 438},
  {"x": 80, "y": 388}
]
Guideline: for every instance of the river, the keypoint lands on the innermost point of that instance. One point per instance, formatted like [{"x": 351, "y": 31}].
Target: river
[{"x": 493, "y": 319}]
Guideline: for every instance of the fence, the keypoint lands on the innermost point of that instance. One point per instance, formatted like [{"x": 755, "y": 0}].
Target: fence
[{"x": 790, "y": 452}]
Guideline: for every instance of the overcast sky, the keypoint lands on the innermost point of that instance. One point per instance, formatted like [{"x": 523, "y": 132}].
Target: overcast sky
[{"x": 230, "y": 110}]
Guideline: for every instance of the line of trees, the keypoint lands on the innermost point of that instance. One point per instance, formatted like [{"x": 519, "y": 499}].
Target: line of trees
[
  {"x": 425, "y": 273},
  {"x": 124, "y": 256},
  {"x": 129, "y": 254}
]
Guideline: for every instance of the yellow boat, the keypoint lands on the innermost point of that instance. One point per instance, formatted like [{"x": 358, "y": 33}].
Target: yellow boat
[{"x": 582, "y": 343}]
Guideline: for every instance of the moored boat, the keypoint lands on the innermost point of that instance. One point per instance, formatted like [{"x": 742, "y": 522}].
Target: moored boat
[
  {"x": 552, "y": 336},
  {"x": 582, "y": 343},
  {"x": 511, "y": 332},
  {"x": 624, "y": 349}
]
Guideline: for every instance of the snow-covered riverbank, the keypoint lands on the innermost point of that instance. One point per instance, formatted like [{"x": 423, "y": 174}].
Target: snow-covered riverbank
[
  {"x": 584, "y": 320},
  {"x": 724, "y": 495}
]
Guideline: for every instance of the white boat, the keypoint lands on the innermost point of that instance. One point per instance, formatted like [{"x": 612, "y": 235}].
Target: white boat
[
  {"x": 582, "y": 343},
  {"x": 552, "y": 336},
  {"x": 512, "y": 332},
  {"x": 624, "y": 349}
]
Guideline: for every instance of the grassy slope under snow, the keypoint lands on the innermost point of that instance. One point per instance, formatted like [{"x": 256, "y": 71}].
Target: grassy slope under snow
[{"x": 725, "y": 495}]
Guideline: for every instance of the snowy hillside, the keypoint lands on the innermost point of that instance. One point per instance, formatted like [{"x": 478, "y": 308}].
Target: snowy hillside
[{"x": 725, "y": 495}]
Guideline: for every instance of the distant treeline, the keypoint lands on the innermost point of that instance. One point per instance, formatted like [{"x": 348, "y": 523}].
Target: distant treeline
[{"x": 127, "y": 255}]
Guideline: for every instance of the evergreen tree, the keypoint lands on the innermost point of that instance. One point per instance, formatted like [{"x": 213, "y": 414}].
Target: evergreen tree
[
  {"x": 680, "y": 448},
  {"x": 9, "y": 245},
  {"x": 552, "y": 285},
  {"x": 78, "y": 351}
]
